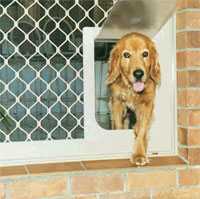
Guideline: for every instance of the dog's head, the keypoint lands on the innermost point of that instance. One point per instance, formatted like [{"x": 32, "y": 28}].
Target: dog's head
[{"x": 134, "y": 59}]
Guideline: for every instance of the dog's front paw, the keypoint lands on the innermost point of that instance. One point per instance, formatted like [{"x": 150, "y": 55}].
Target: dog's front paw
[{"x": 139, "y": 160}]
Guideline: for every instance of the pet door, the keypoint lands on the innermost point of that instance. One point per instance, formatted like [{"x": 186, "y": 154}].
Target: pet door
[{"x": 96, "y": 111}]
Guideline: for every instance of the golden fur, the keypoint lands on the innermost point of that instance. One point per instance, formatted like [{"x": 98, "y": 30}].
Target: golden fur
[{"x": 120, "y": 81}]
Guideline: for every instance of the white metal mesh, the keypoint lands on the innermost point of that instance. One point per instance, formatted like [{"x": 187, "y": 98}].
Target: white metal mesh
[{"x": 41, "y": 70}]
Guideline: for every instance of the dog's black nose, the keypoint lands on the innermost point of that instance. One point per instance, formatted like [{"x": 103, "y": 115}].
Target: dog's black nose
[{"x": 138, "y": 74}]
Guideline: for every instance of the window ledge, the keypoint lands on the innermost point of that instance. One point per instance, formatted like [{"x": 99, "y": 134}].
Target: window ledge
[{"x": 170, "y": 161}]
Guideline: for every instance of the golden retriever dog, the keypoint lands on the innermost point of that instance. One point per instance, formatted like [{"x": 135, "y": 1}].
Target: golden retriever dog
[{"x": 133, "y": 75}]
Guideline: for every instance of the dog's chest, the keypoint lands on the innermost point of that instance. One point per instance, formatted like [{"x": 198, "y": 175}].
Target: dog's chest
[{"x": 130, "y": 99}]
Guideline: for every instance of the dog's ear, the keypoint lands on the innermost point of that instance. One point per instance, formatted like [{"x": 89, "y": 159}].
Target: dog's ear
[
  {"x": 155, "y": 66},
  {"x": 114, "y": 66}
]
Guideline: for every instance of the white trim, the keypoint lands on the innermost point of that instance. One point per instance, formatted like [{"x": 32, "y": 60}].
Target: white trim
[{"x": 175, "y": 89}]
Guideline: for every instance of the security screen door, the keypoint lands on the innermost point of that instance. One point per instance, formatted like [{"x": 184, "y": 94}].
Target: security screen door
[
  {"x": 41, "y": 73},
  {"x": 42, "y": 81}
]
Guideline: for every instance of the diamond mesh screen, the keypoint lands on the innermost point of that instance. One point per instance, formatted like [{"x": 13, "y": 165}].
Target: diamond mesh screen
[{"x": 41, "y": 69}]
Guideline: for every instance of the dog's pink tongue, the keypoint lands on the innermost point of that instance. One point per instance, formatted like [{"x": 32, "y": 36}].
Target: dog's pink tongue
[{"x": 138, "y": 87}]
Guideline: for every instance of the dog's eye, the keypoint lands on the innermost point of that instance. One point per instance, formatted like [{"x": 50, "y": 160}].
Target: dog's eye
[
  {"x": 145, "y": 54},
  {"x": 127, "y": 55}
]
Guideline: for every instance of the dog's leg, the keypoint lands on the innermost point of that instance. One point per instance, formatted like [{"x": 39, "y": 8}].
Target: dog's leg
[
  {"x": 117, "y": 114},
  {"x": 146, "y": 142},
  {"x": 144, "y": 115},
  {"x": 125, "y": 119},
  {"x": 126, "y": 123}
]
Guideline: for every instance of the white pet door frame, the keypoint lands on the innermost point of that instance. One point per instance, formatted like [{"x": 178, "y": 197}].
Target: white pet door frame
[{"x": 163, "y": 135}]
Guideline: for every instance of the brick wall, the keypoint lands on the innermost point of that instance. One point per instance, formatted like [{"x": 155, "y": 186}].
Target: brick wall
[
  {"x": 188, "y": 79},
  {"x": 136, "y": 183},
  {"x": 181, "y": 182}
]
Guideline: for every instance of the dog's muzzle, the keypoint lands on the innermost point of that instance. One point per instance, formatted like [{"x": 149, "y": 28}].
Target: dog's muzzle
[{"x": 138, "y": 85}]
